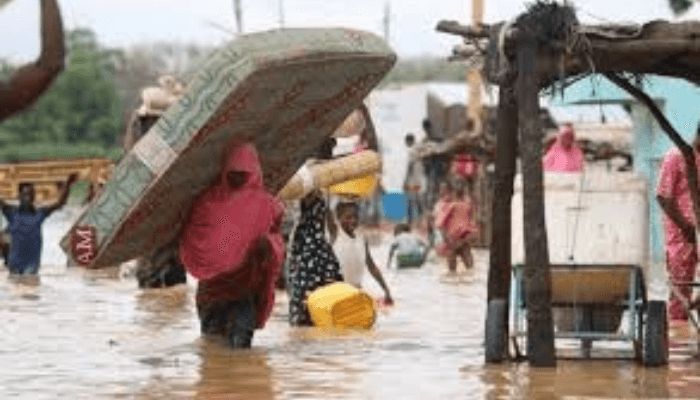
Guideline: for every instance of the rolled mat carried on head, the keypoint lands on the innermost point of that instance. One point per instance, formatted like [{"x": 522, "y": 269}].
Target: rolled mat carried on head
[
  {"x": 285, "y": 91},
  {"x": 353, "y": 175},
  {"x": 341, "y": 305}
]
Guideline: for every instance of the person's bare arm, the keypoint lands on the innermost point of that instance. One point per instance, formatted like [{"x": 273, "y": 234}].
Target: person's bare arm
[
  {"x": 64, "y": 195},
  {"x": 31, "y": 80},
  {"x": 392, "y": 250},
  {"x": 332, "y": 225},
  {"x": 377, "y": 274},
  {"x": 370, "y": 133},
  {"x": 671, "y": 210}
]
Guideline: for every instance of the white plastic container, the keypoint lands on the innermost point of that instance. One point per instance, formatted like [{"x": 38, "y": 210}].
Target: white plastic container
[{"x": 599, "y": 217}]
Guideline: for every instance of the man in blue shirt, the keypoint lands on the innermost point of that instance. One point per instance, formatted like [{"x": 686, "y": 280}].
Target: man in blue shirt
[{"x": 24, "y": 226}]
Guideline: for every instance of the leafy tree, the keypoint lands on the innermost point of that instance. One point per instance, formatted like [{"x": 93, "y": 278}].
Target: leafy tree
[
  {"x": 681, "y": 6},
  {"x": 82, "y": 107}
]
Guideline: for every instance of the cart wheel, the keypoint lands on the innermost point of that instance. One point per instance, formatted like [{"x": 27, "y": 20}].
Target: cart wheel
[
  {"x": 656, "y": 335},
  {"x": 638, "y": 354},
  {"x": 496, "y": 341}
]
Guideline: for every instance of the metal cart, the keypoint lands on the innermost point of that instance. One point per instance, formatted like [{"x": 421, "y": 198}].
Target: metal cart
[{"x": 588, "y": 302}]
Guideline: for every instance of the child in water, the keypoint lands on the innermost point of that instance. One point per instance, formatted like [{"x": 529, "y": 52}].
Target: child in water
[
  {"x": 454, "y": 219},
  {"x": 352, "y": 249},
  {"x": 409, "y": 248}
]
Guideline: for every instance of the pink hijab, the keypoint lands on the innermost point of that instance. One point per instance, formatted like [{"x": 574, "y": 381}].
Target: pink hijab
[
  {"x": 564, "y": 155},
  {"x": 223, "y": 226},
  {"x": 225, "y": 222}
]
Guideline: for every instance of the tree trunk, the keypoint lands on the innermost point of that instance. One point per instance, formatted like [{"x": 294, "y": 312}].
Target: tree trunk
[
  {"x": 537, "y": 279},
  {"x": 506, "y": 148}
]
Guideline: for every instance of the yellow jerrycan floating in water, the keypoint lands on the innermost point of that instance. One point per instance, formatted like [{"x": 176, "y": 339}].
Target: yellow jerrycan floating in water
[{"x": 340, "y": 305}]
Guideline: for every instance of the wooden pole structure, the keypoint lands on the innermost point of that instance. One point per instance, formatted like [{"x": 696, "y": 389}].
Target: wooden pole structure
[
  {"x": 537, "y": 279},
  {"x": 280, "y": 12},
  {"x": 238, "y": 11},
  {"x": 500, "y": 253},
  {"x": 474, "y": 75},
  {"x": 386, "y": 21}
]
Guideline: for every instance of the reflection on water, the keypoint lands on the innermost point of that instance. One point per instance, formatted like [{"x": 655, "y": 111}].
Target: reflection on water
[{"x": 88, "y": 334}]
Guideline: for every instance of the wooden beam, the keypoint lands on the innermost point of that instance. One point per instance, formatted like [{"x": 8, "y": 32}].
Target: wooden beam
[
  {"x": 537, "y": 279},
  {"x": 660, "y": 47},
  {"x": 471, "y": 32}
]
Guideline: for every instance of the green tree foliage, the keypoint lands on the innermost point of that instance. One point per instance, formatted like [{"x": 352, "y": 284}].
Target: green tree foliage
[
  {"x": 82, "y": 109},
  {"x": 422, "y": 69},
  {"x": 681, "y": 6}
]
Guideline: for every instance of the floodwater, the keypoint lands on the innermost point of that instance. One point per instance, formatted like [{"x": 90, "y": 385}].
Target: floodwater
[{"x": 86, "y": 334}]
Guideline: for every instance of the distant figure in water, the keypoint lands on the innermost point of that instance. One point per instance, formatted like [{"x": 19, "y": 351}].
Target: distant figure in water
[
  {"x": 409, "y": 248},
  {"x": 163, "y": 269},
  {"x": 564, "y": 155},
  {"x": 680, "y": 227},
  {"x": 24, "y": 226},
  {"x": 454, "y": 217},
  {"x": 232, "y": 243}
]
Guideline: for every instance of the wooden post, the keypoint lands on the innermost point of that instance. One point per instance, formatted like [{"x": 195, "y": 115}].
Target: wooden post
[
  {"x": 537, "y": 279},
  {"x": 474, "y": 107},
  {"x": 500, "y": 254}
]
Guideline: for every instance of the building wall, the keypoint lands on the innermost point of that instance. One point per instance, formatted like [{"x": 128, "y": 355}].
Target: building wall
[
  {"x": 592, "y": 218},
  {"x": 680, "y": 102}
]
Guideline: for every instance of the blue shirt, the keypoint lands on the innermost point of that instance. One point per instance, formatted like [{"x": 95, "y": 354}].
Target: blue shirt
[{"x": 25, "y": 232}]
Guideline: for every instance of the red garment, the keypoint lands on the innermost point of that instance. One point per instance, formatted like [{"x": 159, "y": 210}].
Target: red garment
[
  {"x": 222, "y": 227},
  {"x": 455, "y": 219},
  {"x": 564, "y": 155},
  {"x": 681, "y": 256}
]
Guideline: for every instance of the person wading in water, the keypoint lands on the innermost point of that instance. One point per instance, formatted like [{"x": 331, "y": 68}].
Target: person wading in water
[{"x": 232, "y": 243}]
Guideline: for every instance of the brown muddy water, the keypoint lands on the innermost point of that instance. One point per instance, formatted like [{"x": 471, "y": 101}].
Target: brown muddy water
[{"x": 82, "y": 334}]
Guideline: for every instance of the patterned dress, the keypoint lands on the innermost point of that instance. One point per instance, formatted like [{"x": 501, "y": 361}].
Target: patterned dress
[
  {"x": 313, "y": 262},
  {"x": 681, "y": 256}
]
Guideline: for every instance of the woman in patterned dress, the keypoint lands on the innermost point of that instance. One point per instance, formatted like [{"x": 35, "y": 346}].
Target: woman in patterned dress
[{"x": 313, "y": 263}]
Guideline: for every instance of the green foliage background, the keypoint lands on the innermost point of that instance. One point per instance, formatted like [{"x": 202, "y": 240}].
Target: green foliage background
[
  {"x": 84, "y": 112},
  {"x": 79, "y": 116}
]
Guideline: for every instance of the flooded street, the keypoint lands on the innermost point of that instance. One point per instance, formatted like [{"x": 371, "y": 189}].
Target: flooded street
[{"x": 90, "y": 334}]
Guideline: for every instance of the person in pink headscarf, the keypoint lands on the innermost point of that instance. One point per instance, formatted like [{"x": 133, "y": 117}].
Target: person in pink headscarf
[
  {"x": 233, "y": 244},
  {"x": 673, "y": 195},
  {"x": 564, "y": 155}
]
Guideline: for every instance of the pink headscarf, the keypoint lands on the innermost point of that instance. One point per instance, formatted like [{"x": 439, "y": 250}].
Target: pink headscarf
[
  {"x": 564, "y": 155},
  {"x": 224, "y": 224}
]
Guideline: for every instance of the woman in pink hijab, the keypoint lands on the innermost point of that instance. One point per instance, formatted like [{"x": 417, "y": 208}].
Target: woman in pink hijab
[
  {"x": 232, "y": 243},
  {"x": 564, "y": 155}
]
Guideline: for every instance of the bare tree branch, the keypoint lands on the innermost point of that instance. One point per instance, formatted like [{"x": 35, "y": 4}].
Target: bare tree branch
[
  {"x": 685, "y": 149},
  {"x": 455, "y": 28}
]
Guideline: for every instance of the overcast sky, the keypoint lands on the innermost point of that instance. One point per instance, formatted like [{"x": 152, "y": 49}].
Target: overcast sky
[{"x": 126, "y": 22}]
